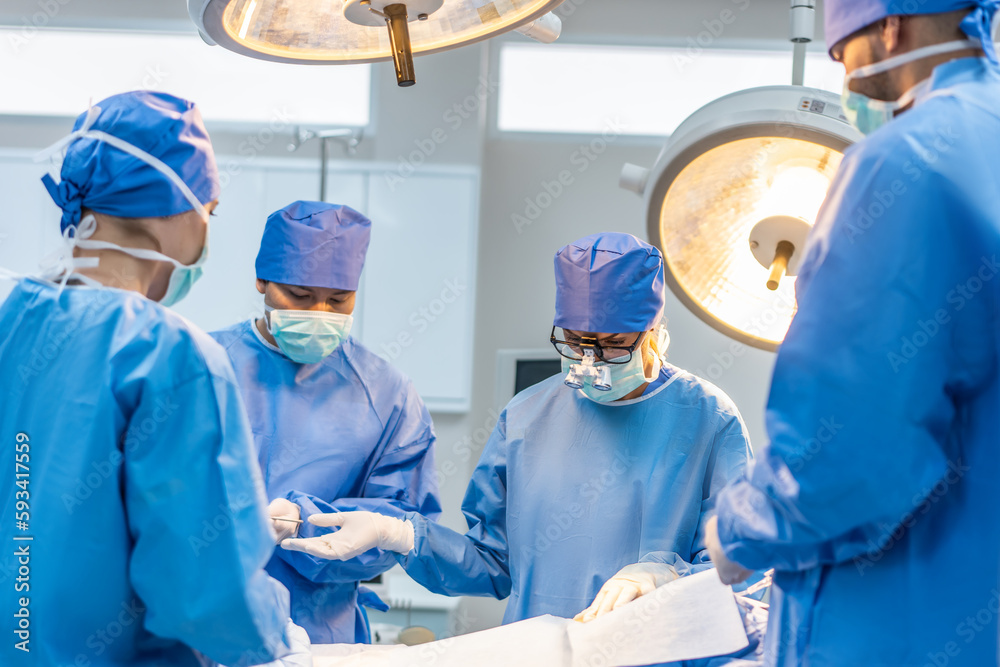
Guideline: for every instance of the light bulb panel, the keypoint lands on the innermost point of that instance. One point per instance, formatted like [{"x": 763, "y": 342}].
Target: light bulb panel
[{"x": 317, "y": 32}]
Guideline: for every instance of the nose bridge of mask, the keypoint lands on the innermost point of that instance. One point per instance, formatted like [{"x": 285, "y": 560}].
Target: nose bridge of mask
[{"x": 308, "y": 323}]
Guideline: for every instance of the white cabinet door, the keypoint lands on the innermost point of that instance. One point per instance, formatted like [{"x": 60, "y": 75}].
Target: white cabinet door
[
  {"x": 420, "y": 287},
  {"x": 29, "y": 226}
]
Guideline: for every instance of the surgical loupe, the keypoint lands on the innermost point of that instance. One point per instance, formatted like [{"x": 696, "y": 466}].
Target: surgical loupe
[{"x": 588, "y": 368}]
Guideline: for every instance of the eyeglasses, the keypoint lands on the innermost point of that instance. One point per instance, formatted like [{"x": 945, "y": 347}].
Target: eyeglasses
[{"x": 577, "y": 348}]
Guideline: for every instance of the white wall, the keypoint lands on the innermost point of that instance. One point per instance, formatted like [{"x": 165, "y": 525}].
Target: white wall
[{"x": 515, "y": 293}]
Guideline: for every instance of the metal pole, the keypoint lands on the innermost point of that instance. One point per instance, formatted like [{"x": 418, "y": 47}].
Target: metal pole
[
  {"x": 350, "y": 138},
  {"x": 802, "y": 26},
  {"x": 799, "y": 64},
  {"x": 323, "y": 150}
]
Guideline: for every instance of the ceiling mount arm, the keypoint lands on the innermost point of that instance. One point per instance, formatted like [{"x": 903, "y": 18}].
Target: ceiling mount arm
[{"x": 802, "y": 32}]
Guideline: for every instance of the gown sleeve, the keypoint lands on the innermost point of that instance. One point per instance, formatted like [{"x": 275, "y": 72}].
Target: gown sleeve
[
  {"x": 402, "y": 480},
  {"x": 476, "y": 563},
  {"x": 195, "y": 503}
]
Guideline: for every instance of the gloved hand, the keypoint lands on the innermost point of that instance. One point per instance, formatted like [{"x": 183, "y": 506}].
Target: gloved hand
[
  {"x": 631, "y": 582},
  {"x": 359, "y": 532},
  {"x": 729, "y": 572},
  {"x": 284, "y": 509}
]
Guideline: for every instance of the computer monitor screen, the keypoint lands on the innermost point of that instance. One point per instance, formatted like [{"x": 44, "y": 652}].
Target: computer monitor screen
[{"x": 533, "y": 371}]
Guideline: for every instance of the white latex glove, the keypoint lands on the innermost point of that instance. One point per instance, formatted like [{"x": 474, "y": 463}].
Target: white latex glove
[
  {"x": 281, "y": 508},
  {"x": 631, "y": 582},
  {"x": 729, "y": 572},
  {"x": 359, "y": 532}
]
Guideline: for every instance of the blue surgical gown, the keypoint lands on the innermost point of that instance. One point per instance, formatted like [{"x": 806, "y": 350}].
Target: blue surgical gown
[
  {"x": 347, "y": 433},
  {"x": 143, "y": 498},
  {"x": 568, "y": 491},
  {"x": 877, "y": 497}
]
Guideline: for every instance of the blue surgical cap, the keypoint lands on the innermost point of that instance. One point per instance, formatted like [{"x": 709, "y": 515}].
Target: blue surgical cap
[
  {"x": 845, "y": 17},
  {"x": 314, "y": 244},
  {"x": 105, "y": 179},
  {"x": 609, "y": 283}
]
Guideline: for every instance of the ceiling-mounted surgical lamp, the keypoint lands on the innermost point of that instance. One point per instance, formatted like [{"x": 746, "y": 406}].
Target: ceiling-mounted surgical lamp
[
  {"x": 735, "y": 193},
  {"x": 325, "y": 32}
]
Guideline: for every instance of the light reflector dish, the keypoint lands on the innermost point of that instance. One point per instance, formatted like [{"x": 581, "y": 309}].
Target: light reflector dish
[
  {"x": 317, "y": 32},
  {"x": 712, "y": 206},
  {"x": 754, "y": 155}
]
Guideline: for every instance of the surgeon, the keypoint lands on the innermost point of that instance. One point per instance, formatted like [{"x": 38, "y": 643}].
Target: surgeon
[
  {"x": 585, "y": 496},
  {"x": 336, "y": 428},
  {"x": 876, "y": 499},
  {"x": 134, "y": 524}
]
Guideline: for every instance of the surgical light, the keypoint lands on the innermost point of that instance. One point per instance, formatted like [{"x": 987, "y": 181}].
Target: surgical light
[
  {"x": 363, "y": 31},
  {"x": 734, "y": 194}
]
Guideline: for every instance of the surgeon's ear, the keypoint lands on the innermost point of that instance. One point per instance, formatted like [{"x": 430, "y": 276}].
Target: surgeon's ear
[
  {"x": 651, "y": 342},
  {"x": 890, "y": 29},
  {"x": 261, "y": 286}
]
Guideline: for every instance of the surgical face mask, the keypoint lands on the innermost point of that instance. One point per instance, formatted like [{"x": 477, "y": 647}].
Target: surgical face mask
[
  {"x": 867, "y": 114},
  {"x": 606, "y": 383},
  {"x": 183, "y": 276},
  {"x": 308, "y": 336}
]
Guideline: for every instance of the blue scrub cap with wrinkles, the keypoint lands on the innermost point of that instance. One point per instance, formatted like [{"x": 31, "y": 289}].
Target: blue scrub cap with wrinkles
[
  {"x": 104, "y": 178},
  {"x": 314, "y": 244},
  {"x": 845, "y": 17},
  {"x": 609, "y": 283}
]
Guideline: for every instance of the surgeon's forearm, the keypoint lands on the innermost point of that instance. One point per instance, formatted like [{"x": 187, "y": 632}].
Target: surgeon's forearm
[{"x": 449, "y": 563}]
